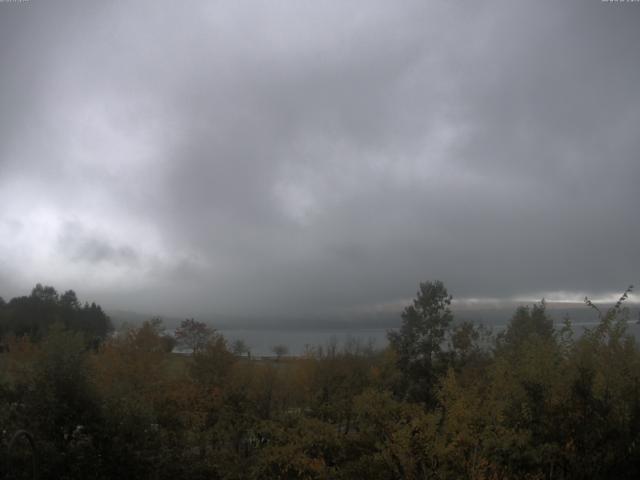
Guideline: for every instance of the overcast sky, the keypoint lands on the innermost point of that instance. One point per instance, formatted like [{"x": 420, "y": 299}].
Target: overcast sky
[{"x": 265, "y": 159}]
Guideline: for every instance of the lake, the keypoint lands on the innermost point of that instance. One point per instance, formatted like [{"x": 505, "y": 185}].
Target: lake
[{"x": 261, "y": 341}]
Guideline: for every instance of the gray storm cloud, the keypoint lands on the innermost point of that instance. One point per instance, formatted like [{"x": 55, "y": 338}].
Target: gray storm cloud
[{"x": 273, "y": 159}]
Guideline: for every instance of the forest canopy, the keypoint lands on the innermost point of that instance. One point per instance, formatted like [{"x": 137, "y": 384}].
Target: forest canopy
[
  {"x": 34, "y": 314},
  {"x": 444, "y": 400}
]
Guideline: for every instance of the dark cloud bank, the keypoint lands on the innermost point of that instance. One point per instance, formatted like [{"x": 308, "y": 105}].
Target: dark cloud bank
[{"x": 262, "y": 160}]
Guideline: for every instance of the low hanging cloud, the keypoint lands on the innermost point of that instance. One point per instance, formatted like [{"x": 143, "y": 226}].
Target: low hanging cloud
[
  {"x": 81, "y": 246},
  {"x": 267, "y": 160}
]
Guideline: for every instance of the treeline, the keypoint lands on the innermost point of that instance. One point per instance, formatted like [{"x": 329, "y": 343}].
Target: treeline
[
  {"x": 445, "y": 401},
  {"x": 34, "y": 314}
]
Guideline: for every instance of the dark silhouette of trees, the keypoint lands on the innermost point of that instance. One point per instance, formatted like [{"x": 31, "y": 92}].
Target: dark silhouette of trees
[
  {"x": 193, "y": 335},
  {"x": 33, "y": 315},
  {"x": 527, "y": 323},
  {"x": 69, "y": 300},
  {"x": 440, "y": 402},
  {"x": 240, "y": 347},
  {"x": 280, "y": 351},
  {"x": 419, "y": 342}
]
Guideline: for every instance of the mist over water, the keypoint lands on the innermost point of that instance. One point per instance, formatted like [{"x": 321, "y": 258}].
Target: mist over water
[{"x": 261, "y": 340}]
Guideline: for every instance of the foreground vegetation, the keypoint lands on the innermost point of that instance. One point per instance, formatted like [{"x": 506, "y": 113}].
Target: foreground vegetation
[{"x": 444, "y": 400}]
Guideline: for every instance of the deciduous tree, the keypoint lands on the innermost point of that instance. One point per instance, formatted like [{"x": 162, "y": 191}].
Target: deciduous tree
[{"x": 193, "y": 335}]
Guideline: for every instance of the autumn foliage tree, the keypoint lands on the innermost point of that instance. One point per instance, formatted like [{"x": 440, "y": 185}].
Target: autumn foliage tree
[
  {"x": 442, "y": 401},
  {"x": 193, "y": 335}
]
